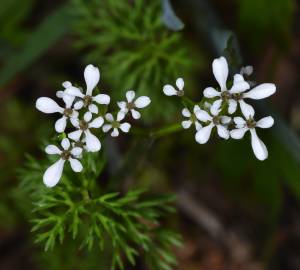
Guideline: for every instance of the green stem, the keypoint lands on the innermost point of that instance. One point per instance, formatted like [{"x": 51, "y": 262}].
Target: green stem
[{"x": 166, "y": 130}]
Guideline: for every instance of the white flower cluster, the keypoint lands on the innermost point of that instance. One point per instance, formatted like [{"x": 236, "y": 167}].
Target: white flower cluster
[
  {"x": 81, "y": 110},
  {"x": 226, "y": 101}
]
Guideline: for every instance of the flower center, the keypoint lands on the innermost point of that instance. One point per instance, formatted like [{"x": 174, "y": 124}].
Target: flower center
[
  {"x": 115, "y": 124},
  {"x": 217, "y": 120},
  {"x": 130, "y": 106},
  {"x": 251, "y": 123},
  {"x": 180, "y": 93},
  {"x": 68, "y": 112},
  {"x": 237, "y": 96},
  {"x": 225, "y": 95},
  {"x": 65, "y": 155},
  {"x": 83, "y": 125},
  {"x": 87, "y": 100}
]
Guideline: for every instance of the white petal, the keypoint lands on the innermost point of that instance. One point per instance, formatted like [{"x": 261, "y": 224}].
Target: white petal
[
  {"x": 121, "y": 114},
  {"x": 202, "y": 136},
  {"x": 130, "y": 96},
  {"x": 239, "y": 121},
  {"x": 78, "y": 105},
  {"x": 109, "y": 117},
  {"x": 60, "y": 124},
  {"x": 102, "y": 99},
  {"x": 223, "y": 132},
  {"x": 248, "y": 70},
  {"x": 186, "y": 113},
  {"x": 239, "y": 87},
  {"x": 93, "y": 108},
  {"x": 122, "y": 105},
  {"x": 238, "y": 133},
  {"x": 75, "y": 135},
  {"x": 203, "y": 116},
  {"x": 66, "y": 84},
  {"x": 261, "y": 91},
  {"x": 48, "y": 105},
  {"x": 115, "y": 133},
  {"x": 52, "y": 150},
  {"x": 60, "y": 94},
  {"x": 68, "y": 99},
  {"x": 265, "y": 122},
  {"x": 210, "y": 92},
  {"x": 53, "y": 173},
  {"x": 238, "y": 78},
  {"x": 65, "y": 143},
  {"x": 196, "y": 108},
  {"x": 135, "y": 114},
  {"x": 75, "y": 114},
  {"x": 97, "y": 122},
  {"x": 198, "y": 125},
  {"x": 220, "y": 70},
  {"x": 180, "y": 83},
  {"x": 74, "y": 91},
  {"x": 106, "y": 127},
  {"x": 225, "y": 120},
  {"x": 92, "y": 142},
  {"x": 186, "y": 124},
  {"x": 232, "y": 105},
  {"x": 169, "y": 90},
  {"x": 87, "y": 116},
  {"x": 75, "y": 121},
  {"x": 76, "y": 151},
  {"x": 75, "y": 165},
  {"x": 92, "y": 77},
  {"x": 259, "y": 148},
  {"x": 246, "y": 109},
  {"x": 216, "y": 107},
  {"x": 125, "y": 127},
  {"x": 142, "y": 102}
]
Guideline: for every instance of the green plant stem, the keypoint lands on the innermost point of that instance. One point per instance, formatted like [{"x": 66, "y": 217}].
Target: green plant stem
[{"x": 166, "y": 130}]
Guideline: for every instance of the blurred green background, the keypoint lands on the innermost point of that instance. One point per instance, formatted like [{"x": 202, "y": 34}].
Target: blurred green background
[{"x": 234, "y": 212}]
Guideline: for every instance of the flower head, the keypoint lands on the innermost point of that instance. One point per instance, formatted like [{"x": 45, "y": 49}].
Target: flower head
[
  {"x": 192, "y": 118},
  {"x": 248, "y": 123},
  {"x": 48, "y": 105},
  {"x": 115, "y": 124},
  {"x": 83, "y": 127},
  {"x": 67, "y": 153},
  {"x": 212, "y": 120},
  {"x": 92, "y": 77},
  {"x": 237, "y": 93},
  {"x": 169, "y": 90},
  {"x": 132, "y": 104}
]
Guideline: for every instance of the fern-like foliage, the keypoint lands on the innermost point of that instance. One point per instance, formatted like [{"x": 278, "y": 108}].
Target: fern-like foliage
[
  {"x": 132, "y": 44},
  {"x": 125, "y": 225}
]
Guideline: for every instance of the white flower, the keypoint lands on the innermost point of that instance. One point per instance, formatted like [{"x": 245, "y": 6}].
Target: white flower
[
  {"x": 192, "y": 118},
  {"x": 66, "y": 85},
  {"x": 213, "y": 120},
  {"x": 243, "y": 125},
  {"x": 53, "y": 173},
  {"x": 83, "y": 127},
  {"x": 169, "y": 90},
  {"x": 48, "y": 105},
  {"x": 131, "y": 104},
  {"x": 115, "y": 124},
  {"x": 237, "y": 93},
  {"x": 92, "y": 77}
]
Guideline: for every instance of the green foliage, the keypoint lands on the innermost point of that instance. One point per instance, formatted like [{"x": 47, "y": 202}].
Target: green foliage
[
  {"x": 134, "y": 49},
  {"x": 47, "y": 33},
  {"x": 126, "y": 225},
  {"x": 266, "y": 19}
]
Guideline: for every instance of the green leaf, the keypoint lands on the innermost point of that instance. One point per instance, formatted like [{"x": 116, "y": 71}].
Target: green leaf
[{"x": 46, "y": 35}]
